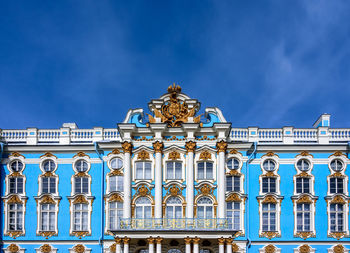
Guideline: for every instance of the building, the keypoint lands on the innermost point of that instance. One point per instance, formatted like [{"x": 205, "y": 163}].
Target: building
[{"x": 173, "y": 181}]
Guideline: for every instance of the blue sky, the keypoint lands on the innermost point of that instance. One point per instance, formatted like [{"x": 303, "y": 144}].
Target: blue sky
[{"x": 263, "y": 63}]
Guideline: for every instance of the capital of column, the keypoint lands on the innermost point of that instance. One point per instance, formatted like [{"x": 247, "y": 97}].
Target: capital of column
[
  {"x": 221, "y": 146},
  {"x": 188, "y": 240},
  {"x": 118, "y": 240},
  {"x": 229, "y": 240},
  {"x": 235, "y": 247},
  {"x": 190, "y": 146},
  {"x": 221, "y": 241},
  {"x": 150, "y": 240},
  {"x": 126, "y": 240},
  {"x": 159, "y": 240},
  {"x": 127, "y": 147},
  {"x": 158, "y": 147},
  {"x": 196, "y": 240}
]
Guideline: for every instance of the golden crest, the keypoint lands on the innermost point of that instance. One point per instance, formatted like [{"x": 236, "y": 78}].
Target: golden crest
[
  {"x": 13, "y": 248},
  {"x": 205, "y": 155},
  {"x": 305, "y": 249},
  {"x": 234, "y": 198},
  {"x": 338, "y": 200},
  {"x": 143, "y": 155},
  {"x": 305, "y": 199},
  {"x": 115, "y": 198},
  {"x": 81, "y": 154},
  {"x": 305, "y": 153},
  {"x": 79, "y": 248},
  {"x": 270, "y": 249},
  {"x": 206, "y": 189},
  {"x": 174, "y": 191},
  {"x": 339, "y": 249},
  {"x": 46, "y": 248},
  {"x": 14, "y": 199},
  {"x": 143, "y": 190},
  {"x": 174, "y": 112},
  {"x": 127, "y": 147},
  {"x": 221, "y": 146},
  {"x": 158, "y": 147},
  {"x": 47, "y": 200},
  {"x": 80, "y": 199},
  {"x": 269, "y": 199},
  {"x": 338, "y": 153},
  {"x": 190, "y": 146},
  {"x": 174, "y": 155},
  {"x": 305, "y": 235}
]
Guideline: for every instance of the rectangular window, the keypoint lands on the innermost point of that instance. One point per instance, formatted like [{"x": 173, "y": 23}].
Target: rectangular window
[
  {"x": 115, "y": 213},
  {"x": 173, "y": 170},
  {"x": 143, "y": 170},
  {"x": 337, "y": 217},
  {"x": 116, "y": 183},
  {"x": 16, "y": 185},
  {"x": 205, "y": 170},
  {"x": 48, "y": 185},
  {"x": 303, "y": 218},
  {"x": 269, "y": 215},
  {"x": 48, "y": 217},
  {"x": 81, "y": 185},
  {"x": 15, "y": 217},
  {"x": 80, "y": 216},
  {"x": 269, "y": 185},
  {"x": 303, "y": 185},
  {"x": 233, "y": 183},
  {"x": 233, "y": 214},
  {"x": 336, "y": 185}
]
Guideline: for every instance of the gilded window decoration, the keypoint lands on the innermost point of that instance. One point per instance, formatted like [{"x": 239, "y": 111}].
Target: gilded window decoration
[
  {"x": 143, "y": 155},
  {"x": 174, "y": 112},
  {"x": 270, "y": 209},
  {"x": 205, "y": 191},
  {"x": 190, "y": 146},
  {"x": 174, "y": 191},
  {"x": 142, "y": 191},
  {"x": 14, "y": 248},
  {"x": 46, "y": 248},
  {"x": 270, "y": 249},
  {"x": 221, "y": 146},
  {"x": 15, "y": 206},
  {"x": 339, "y": 249},
  {"x": 174, "y": 155},
  {"x": 127, "y": 147},
  {"x": 205, "y": 155},
  {"x": 158, "y": 147}
]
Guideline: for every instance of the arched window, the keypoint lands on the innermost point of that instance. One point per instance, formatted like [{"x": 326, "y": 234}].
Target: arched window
[
  {"x": 174, "y": 251},
  {"x": 205, "y": 208},
  {"x": 174, "y": 208},
  {"x": 143, "y": 208}
]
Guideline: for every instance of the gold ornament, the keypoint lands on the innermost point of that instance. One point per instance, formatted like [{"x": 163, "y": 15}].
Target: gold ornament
[
  {"x": 79, "y": 248},
  {"x": 174, "y": 155},
  {"x": 14, "y": 200},
  {"x": 127, "y": 147},
  {"x": 113, "y": 248},
  {"x": 221, "y": 241},
  {"x": 305, "y": 153},
  {"x": 339, "y": 249},
  {"x": 47, "y": 234},
  {"x": 190, "y": 146},
  {"x": 221, "y": 146},
  {"x": 115, "y": 198},
  {"x": 143, "y": 190},
  {"x": 269, "y": 199},
  {"x": 174, "y": 191},
  {"x": 196, "y": 240},
  {"x": 337, "y": 235},
  {"x": 126, "y": 240},
  {"x": 269, "y": 234},
  {"x": 174, "y": 112},
  {"x": 80, "y": 199},
  {"x": 46, "y": 248},
  {"x": 338, "y": 200},
  {"x": 235, "y": 247},
  {"x": 305, "y": 235},
  {"x": 270, "y": 249},
  {"x": 158, "y": 147},
  {"x": 150, "y": 240},
  {"x": 159, "y": 240},
  {"x": 143, "y": 155},
  {"x": 206, "y": 189},
  {"x": 305, "y": 199},
  {"x": 234, "y": 198},
  {"x": 47, "y": 200},
  {"x": 81, "y": 154},
  {"x": 13, "y": 248},
  {"x": 80, "y": 234},
  {"x": 118, "y": 240},
  {"x": 205, "y": 155},
  {"x": 188, "y": 240},
  {"x": 48, "y": 154},
  {"x": 115, "y": 152},
  {"x": 304, "y": 249}
]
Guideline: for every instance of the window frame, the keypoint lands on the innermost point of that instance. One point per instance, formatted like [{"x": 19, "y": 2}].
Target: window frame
[
  {"x": 205, "y": 177},
  {"x": 143, "y": 170},
  {"x": 174, "y": 162}
]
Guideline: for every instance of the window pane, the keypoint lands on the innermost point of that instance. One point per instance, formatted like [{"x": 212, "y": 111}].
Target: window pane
[
  {"x": 209, "y": 170},
  {"x": 201, "y": 170},
  {"x": 178, "y": 170}
]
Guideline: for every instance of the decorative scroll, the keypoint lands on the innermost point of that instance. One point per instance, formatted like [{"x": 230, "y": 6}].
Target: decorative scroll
[
  {"x": 174, "y": 112},
  {"x": 81, "y": 154},
  {"x": 205, "y": 155},
  {"x": 47, "y": 200},
  {"x": 269, "y": 199},
  {"x": 206, "y": 189},
  {"x": 115, "y": 198},
  {"x": 337, "y": 235},
  {"x": 143, "y": 155},
  {"x": 234, "y": 198},
  {"x": 305, "y": 199},
  {"x": 47, "y": 234},
  {"x": 143, "y": 190},
  {"x": 80, "y": 199},
  {"x": 80, "y": 234},
  {"x": 305, "y": 235},
  {"x": 270, "y": 235},
  {"x": 338, "y": 200},
  {"x": 48, "y": 154},
  {"x": 14, "y": 199}
]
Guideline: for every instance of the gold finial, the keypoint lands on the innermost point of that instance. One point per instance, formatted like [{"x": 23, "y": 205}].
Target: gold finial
[{"x": 174, "y": 88}]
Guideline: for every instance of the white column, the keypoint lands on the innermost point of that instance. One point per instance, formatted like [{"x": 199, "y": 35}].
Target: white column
[
  {"x": 190, "y": 146},
  {"x": 127, "y": 147},
  {"x": 118, "y": 241},
  {"x": 159, "y": 244},
  {"x": 196, "y": 245},
  {"x": 221, "y": 245},
  {"x": 188, "y": 244},
  {"x": 221, "y": 147},
  {"x": 126, "y": 244},
  {"x": 158, "y": 148},
  {"x": 150, "y": 245},
  {"x": 229, "y": 245}
]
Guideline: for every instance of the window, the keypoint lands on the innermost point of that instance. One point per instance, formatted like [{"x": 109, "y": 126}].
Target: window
[
  {"x": 15, "y": 217},
  {"x": 233, "y": 164},
  {"x": 16, "y": 185},
  {"x": 116, "y": 163},
  {"x": 81, "y": 165},
  {"x": 143, "y": 170},
  {"x": 116, "y": 183},
  {"x": 80, "y": 217},
  {"x": 303, "y": 165},
  {"x": 269, "y": 217},
  {"x": 269, "y": 165},
  {"x": 233, "y": 183},
  {"x": 303, "y": 185},
  {"x": 303, "y": 217},
  {"x": 174, "y": 251},
  {"x": 115, "y": 212},
  {"x": 205, "y": 170},
  {"x": 16, "y": 166},
  {"x": 337, "y": 165},
  {"x": 143, "y": 208},
  {"x": 48, "y": 217},
  {"x": 173, "y": 170},
  {"x": 337, "y": 217},
  {"x": 269, "y": 185},
  {"x": 336, "y": 185},
  {"x": 205, "y": 208},
  {"x": 49, "y": 165},
  {"x": 174, "y": 208},
  {"x": 233, "y": 214},
  {"x": 81, "y": 185},
  {"x": 48, "y": 185}
]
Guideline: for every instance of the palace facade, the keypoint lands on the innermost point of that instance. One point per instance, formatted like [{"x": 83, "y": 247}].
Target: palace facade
[{"x": 173, "y": 181}]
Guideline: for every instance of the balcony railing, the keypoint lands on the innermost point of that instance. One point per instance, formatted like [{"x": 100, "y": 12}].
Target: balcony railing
[{"x": 175, "y": 224}]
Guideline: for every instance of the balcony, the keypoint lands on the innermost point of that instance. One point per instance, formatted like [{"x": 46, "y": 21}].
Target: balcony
[{"x": 182, "y": 224}]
